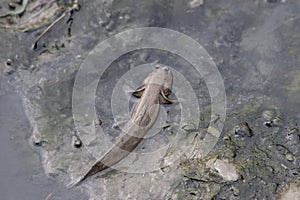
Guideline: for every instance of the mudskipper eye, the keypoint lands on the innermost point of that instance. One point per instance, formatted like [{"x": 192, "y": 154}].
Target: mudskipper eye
[
  {"x": 156, "y": 66},
  {"x": 166, "y": 68}
]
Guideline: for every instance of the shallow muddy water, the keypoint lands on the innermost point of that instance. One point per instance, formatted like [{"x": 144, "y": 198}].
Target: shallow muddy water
[{"x": 21, "y": 171}]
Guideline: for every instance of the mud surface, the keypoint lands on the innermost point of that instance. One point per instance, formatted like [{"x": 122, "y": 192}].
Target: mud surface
[{"x": 255, "y": 45}]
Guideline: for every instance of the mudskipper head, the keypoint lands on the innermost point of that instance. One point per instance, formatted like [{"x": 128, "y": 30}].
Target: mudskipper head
[{"x": 162, "y": 76}]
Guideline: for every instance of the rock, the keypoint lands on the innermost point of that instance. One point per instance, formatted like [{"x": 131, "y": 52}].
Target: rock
[
  {"x": 289, "y": 157},
  {"x": 76, "y": 142},
  {"x": 195, "y": 3},
  {"x": 292, "y": 192},
  {"x": 226, "y": 170}
]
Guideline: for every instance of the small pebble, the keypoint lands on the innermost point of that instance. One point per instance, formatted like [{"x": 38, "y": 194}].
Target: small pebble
[
  {"x": 289, "y": 157},
  {"x": 37, "y": 140},
  {"x": 225, "y": 169},
  {"x": 76, "y": 142},
  {"x": 12, "y": 6},
  {"x": 195, "y": 3}
]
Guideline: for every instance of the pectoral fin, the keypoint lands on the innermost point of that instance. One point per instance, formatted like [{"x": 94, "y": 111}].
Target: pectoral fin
[
  {"x": 139, "y": 92},
  {"x": 165, "y": 99}
]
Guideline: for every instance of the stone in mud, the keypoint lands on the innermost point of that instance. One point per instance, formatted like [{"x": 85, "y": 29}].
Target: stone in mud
[
  {"x": 195, "y": 3},
  {"x": 76, "y": 142},
  {"x": 289, "y": 156},
  {"x": 292, "y": 192},
  {"x": 226, "y": 170}
]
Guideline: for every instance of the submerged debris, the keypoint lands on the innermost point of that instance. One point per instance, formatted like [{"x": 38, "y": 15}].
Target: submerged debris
[
  {"x": 68, "y": 11},
  {"x": 33, "y": 14},
  {"x": 36, "y": 14}
]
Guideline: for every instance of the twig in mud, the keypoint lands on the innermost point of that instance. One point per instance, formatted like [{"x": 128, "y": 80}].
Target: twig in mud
[
  {"x": 49, "y": 195},
  {"x": 70, "y": 10}
]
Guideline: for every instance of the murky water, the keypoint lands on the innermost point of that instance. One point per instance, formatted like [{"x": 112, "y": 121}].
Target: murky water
[
  {"x": 22, "y": 176},
  {"x": 255, "y": 45}
]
